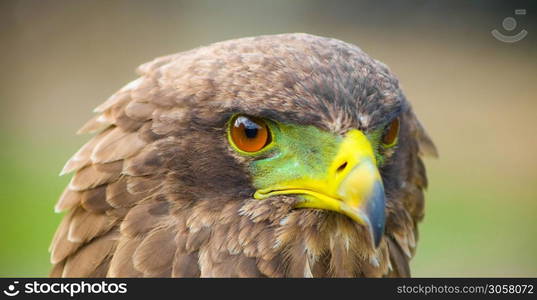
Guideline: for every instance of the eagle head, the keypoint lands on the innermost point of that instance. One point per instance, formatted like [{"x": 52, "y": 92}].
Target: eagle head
[{"x": 282, "y": 155}]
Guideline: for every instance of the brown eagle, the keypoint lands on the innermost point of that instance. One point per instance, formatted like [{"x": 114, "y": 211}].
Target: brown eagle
[{"x": 275, "y": 156}]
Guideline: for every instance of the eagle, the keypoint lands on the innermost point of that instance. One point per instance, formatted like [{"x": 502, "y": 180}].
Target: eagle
[{"x": 287, "y": 155}]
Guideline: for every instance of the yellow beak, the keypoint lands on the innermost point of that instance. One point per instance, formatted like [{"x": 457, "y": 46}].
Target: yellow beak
[{"x": 351, "y": 186}]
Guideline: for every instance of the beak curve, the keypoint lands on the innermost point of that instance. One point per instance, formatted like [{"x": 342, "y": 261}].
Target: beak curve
[
  {"x": 363, "y": 199},
  {"x": 351, "y": 186}
]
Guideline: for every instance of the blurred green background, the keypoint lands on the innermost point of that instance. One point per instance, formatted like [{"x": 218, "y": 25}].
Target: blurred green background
[{"x": 476, "y": 96}]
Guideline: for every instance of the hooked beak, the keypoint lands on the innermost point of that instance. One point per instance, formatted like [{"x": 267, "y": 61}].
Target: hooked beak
[{"x": 352, "y": 186}]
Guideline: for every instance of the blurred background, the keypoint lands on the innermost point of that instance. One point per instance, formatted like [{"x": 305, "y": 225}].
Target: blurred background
[{"x": 476, "y": 95}]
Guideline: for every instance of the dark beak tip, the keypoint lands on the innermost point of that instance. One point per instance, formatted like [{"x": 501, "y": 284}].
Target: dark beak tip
[
  {"x": 377, "y": 236},
  {"x": 376, "y": 213}
]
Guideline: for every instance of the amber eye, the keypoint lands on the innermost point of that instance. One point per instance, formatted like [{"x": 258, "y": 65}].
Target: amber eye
[
  {"x": 390, "y": 135},
  {"x": 249, "y": 134}
]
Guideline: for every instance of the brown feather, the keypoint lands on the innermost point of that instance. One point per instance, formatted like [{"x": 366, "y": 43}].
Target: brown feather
[
  {"x": 95, "y": 175},
  {"x": 144, "y": 217},
  {"x": 61, "y": 246},
  {"x": 144, "y": 184},
  {"x": 195, "y": 240},
  {"x": 154, "y": 256},
  {"x": 85, "y": 225},
  {"x": 68, "y": 200},
  {"x": 168, "y": 121},
  {"x": 146, "y": 133},
  {"x": 116, "y": 145},
  {"x": 102, "y": 270},
  {"x": 140, "y": 110},
  {"x": 88, "y": 258},
  {"x": 426, "y": 144},
  {"x": 97, "y": 123},
  {"x": 271, "y": 268},
  {"x": 398, "y": 260},
  {"x": 115, "y": 100},
  {"x": 155, "y": 64},
  {"x": 148, "y": 162},
  {"x": 145, "y": 90},
  {"x": 118, "y": 197},
  {"x": 94, "y": 200},
  {"x": 127, "y": 124},
  {"x": 185, "y": 265},
  {"x": 57, "y": 270},
  {"x": 82, "y": 157},
  {"x": 122, "y": 264}
]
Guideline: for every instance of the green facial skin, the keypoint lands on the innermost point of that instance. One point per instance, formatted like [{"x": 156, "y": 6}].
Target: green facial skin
[{"x": 296, "y": 150}]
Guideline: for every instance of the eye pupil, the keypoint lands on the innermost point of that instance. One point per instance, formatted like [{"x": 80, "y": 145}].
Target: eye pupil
[{"x": 250, "y": 132}]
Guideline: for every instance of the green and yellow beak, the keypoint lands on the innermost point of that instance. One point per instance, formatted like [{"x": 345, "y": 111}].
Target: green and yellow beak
[{"x": 351, "y": 186}]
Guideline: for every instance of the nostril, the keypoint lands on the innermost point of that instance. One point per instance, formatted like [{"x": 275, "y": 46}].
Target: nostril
[{"x": 341, "y": 168}]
